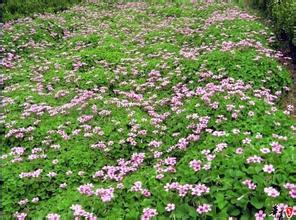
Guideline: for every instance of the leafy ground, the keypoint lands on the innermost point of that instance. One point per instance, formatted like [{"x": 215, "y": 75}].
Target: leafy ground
[{"x": 145, "y": 111}]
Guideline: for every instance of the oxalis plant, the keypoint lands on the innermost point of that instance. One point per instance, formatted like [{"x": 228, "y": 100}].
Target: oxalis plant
[{"x": 145, "y": 110}]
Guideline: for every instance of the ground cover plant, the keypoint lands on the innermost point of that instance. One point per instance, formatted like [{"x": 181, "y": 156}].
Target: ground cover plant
[
  {"x": 144, "y": 111},
  {"x": 13, "y": 9},
  {"x": 283, "y": 17}
]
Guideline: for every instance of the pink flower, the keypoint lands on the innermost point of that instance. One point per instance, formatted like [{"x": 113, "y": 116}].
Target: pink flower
[
  {"x": 86, "y": 189},
  {"x": 32, "y": 174},
  {"x": 265, "y": 150},
  {"x": 272, "y": 192},
  {"x": 207, "y": 166},
  {"x": 157, "y": 154},
  {"x": 239, "y": 150},
  {"x": 53, "y": 216},
  {"x": 155, "y": 144},
  {"x": 276, "y": 147},
  {"x": 268, "y": 168},
  {"x": 195, "y": 165},
  {"x": 35, "y": 200},
  {"x": 105, "y": 194},
  {"x": 51, "y": 174},
  {"x": 85, "y": 118},
  {"x": 170, "y": 161},
  {"x": 148, "y": 213},
  {"x": 146, "y": 193},
  {"x": 63, "y": 185},
  {"x": 159, "y": 176},
  {"x": 251, "y": 113},
  {"x": 249, "y": 184},
  {"x": 260, "y": 215},
  {"x": 289, "y": 186},
  {"x": 20, "y": 216},
  {"x": 204, "y": 208},
  {"x": 247, "y": 141},
  {"x": 80, "y": 212},
  {"x": 81, "y": 173},
  {"x": 170, "y": 207},
  {"x": 137, "y": 186},
  {"x": 23, "y": 202},
  {"x": 199, "y": 189},
  {"x": 120, "y": 186},
  {"x": 254, "y": 159},
  {"x": 292, "y": 193},
  {"x": 220, "y": 147}
]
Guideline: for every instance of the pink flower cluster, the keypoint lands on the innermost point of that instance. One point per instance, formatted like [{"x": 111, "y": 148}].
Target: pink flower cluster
[
  {"x": 272, "y": 192},
  {"x": 189, "y": 53},
  {"x": 105, "y": 194},
  {"x": 84, "y": 118},
  {"x": 195, "y": 165},
  {"x": 99, "y": 145},
  {"x": 104, "y": 113},
  {"x": 155, "y": 144},
  {"x": 37, "y": 154},
  {"x": 86, "y": 189},
  {"x": 77, "y": 64},
  {"x": 19, "y": 133},
  {"x": 23, "y": 202},
  {"x": 204, "y": 208},
  {"x": 227, "y": 46},
  {"x": 8, "y": 60},
  {"x": 254, "y": 159},
  {"x": 37, "y": 109},
  {"x": 220, "y": 147},
  {"x": 183, "y": 190},
  {"x": 79, "y": 100},
  {"x": 123, "y": 168},
  {"x": 170, "y": 207},
  {"x": 165, "y": 166},
  {"x": 268, "y": 168},
  {"x": 260, "y": 215},
  {"x": 137, "y": 187},
  {"x": 53, "y": 216},
  {"x": 148, "y": 213},
  {"x": 249, "y": 184},
  {"x": 292, "y": 189},
  {"x": 276, "y": 147},
  {"x": 229, "y": 15},
  {"x": 32, "y": 174},
  {"x": 20, "y": 215},
  {"x": 80, "y": 212}
]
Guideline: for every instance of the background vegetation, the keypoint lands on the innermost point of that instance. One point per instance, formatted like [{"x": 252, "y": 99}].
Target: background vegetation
[
  {"x": 282, "y": 13},
  {"x": 13, "y": 9}
]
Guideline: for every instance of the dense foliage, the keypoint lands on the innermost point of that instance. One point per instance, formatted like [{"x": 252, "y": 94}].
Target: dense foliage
[
  {"x": 12, "y": 9},
  {"x": 283, "y": 15},
  {"x": 144, "y": 111}
]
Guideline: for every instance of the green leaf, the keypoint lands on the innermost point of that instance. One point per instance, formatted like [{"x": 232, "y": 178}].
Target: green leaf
[
  {"x": 220, "y": 200},
  {"x": 234, "y": 211},
  {"x": 256, "y": 203}
]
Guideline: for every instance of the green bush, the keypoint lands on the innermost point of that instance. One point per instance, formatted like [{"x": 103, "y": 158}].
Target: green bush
[
  {"x": 285, "y": 18},
  {"x": 13, "y": 9}
]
